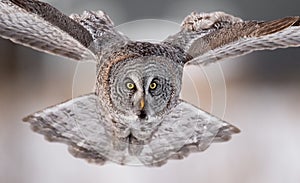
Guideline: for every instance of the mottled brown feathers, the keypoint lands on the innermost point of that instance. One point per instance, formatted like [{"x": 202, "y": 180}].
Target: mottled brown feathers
[
  {"x": 270, "y": 27},
  {"x": 209, "y": 37}
]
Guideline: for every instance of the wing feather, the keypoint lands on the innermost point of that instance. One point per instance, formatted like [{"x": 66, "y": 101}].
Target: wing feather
[
  {"x": 81, "y": 125},
  {"x": 77, "y": 123},
  {"x": 209, "y": 37},
  {"x": 101, "y": 27},
  {"x": 185, "y": 130},
  {"x": 40, "y": 26}
]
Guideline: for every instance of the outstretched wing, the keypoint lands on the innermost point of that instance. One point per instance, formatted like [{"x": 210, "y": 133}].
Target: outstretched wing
[
  {"x": 209, "y": 37},
  {"x": 79, "y": 123},
  {"x": 84, "y": 127},
  {"x": 40, "y": 26},
  {"x": 186, "y": 129}
]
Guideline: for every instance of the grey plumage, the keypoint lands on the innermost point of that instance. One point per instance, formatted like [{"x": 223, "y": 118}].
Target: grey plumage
[
  {"x": 51, "y": 31},
  {"x": 135, "y": 115},
  {"x": 90, "y": 135}
]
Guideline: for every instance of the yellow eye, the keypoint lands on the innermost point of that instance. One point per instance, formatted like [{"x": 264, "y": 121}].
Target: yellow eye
[
  {"x": 153, "y": 86},
  {"x": 130, "y": 86}
]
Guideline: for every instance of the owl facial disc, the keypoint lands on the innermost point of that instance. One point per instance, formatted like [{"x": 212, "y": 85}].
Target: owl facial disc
[{"x": 142, "y": 90}]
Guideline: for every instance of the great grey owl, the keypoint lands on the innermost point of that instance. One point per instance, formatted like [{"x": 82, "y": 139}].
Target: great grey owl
[{"x": 135, "y": 115}]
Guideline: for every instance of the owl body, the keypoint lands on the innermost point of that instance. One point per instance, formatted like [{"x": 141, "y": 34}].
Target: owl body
[{"x": 135, "y": 115}]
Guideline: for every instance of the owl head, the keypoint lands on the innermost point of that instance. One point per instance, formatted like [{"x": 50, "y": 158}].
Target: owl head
[{"x": 142, "y": 90}]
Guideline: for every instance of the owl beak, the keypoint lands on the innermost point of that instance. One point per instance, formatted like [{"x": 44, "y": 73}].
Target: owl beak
[{"x": 142, "y": 103}]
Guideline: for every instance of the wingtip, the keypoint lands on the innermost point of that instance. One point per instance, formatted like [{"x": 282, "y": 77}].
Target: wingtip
[
  {"x": 234, "y": 129},
  {"x": 225, "y": 133},
  {"x": 274, "y": 26},
  {"x": 27, "y": 118},
  {"x": 297, "y": 23}
]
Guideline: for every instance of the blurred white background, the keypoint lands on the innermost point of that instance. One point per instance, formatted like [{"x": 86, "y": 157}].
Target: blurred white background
[{"x": 262, "y": 99}]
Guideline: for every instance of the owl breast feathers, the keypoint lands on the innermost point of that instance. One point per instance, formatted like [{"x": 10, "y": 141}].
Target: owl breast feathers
[{"x": 135, "y": 115}]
